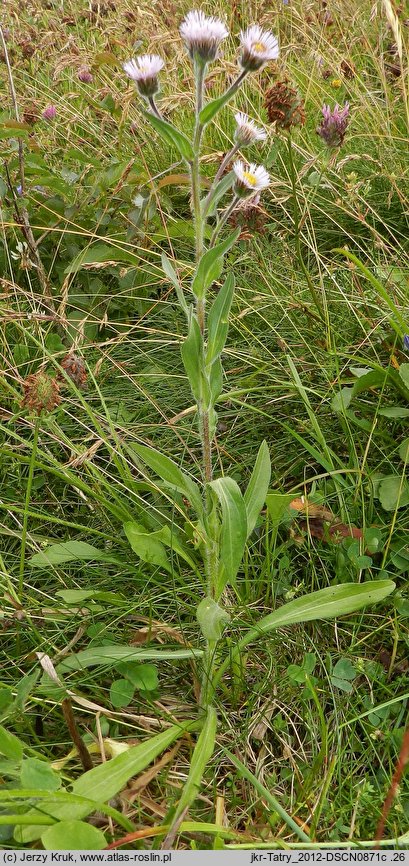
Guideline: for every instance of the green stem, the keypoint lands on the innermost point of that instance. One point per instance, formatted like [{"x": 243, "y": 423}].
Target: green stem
[
  {"x": 296, "y": 219},
  {"x": 27, "y": 506},
  {"x": 222, "y": 167},
  {"x": 223, "y": 219},
  {"x": 154, "y": 107}
]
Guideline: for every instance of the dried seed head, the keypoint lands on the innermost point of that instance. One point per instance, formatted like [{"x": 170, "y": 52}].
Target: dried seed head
[
  {"x": 41, "y": 393},
  {"x": 75, "y": 368},
  {"x": 284, "y": 106}
]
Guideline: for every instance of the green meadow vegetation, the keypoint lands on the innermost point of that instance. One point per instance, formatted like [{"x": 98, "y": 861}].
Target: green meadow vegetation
[{"x": 204, "y": 426}]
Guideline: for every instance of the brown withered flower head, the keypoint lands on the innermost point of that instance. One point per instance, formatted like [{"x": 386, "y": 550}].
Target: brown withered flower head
[
  {"x": 284, "y": 105},
  {"x": 41, "y": 393},
  {"x": 75, "y": 368}
]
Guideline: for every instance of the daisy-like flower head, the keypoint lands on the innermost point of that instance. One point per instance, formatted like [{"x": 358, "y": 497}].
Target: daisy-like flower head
[
  {"x": 246, "y": 130},
  {"x": 250, "y": 179},
  {"x": 257, "y": 47},
  {"x": 144, "y": 72},
  {"x": 202, "y": 35}
]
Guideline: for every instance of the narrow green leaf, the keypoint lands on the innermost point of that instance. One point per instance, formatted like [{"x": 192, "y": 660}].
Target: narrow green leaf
[
  {"x": 323, "y": 604},
  {"x": 73, "y": 836},
  {"x": 255, "y": 495},
  {"x": 172, "y": 276},
  {"x": 218, "y": 320},
  {"x": 215, "y": 382},
  {"x": 210, "y": 110},
  {"x": 211, "y": 618},
  {"x": 103, "y": 782},
  {"x": 171, "y": 538},
  {"x": 267, "y": 796},
  {"x": 203, "y": 751},
  {"x": 211, "y": 265},
  {"x": 221, "y": 188},
  {"x": 172, "y": 475},
  {"x": 394, "y": 412},
  {"x": 10, "y": 745},
  {"x": 191, "y": 351},
  {"x": 109, "y": 656},
  {"x": 66, "y": 551},
  {"x": 233, "y": 533},
  {"x": 146, "y": 545},
  {"x": 171, "y": 135}
]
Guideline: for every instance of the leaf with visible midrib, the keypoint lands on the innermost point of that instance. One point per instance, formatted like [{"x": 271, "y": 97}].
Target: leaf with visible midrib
[{"x": 105, "y": 781}]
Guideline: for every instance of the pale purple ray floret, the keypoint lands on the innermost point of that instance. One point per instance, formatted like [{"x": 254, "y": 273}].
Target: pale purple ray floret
[{"x": 334, "y": 124}]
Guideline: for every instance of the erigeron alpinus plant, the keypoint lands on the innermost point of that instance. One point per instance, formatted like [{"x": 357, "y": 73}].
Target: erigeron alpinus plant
[{"x": 225, "y": 516}]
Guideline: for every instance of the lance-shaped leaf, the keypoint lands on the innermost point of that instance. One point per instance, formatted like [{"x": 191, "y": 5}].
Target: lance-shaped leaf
[
  {"x": 103, "y": 782},
  {"x": 172, "y": 276},
  {"x": 221, "y": 188},
  {"x": 172, "y": 475},
  {"x": 218, "y": 320},
  {"x": 324, "y": 604},
  {"x": 211, "y": 265},
  {"x": 109, "y": 656},
  {"x": 233, "y": 531},
  {"x": 255, "y": 495},
  {"x": 202, "y": 753},
  {"x": 171, "y": 135},
  {"x": 215, "y": 381},
  {"x": 191, "y": 351}
]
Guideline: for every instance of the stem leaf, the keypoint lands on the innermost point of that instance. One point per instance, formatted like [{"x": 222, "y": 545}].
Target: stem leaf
[
  {"x": 171, "y": 474},
  {"x": 211, "y": 264},
  {"x": 147, "y": 545},
  {"x": 172, "y": 276},
  {"x": 171, "y": 135},
  {"x": 191, "y": 351},
  {"x": 233, "y": 533},
  {"x": 218, "y": 321},
  {"x": 326, "y": 603},
  {"x": 255, "y": 495},
  {"x": 202, "y": 753},
  {"x": 211, "y": 618}
]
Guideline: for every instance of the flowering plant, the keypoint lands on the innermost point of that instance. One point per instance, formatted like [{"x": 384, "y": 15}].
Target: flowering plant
[{"x": 225, "y": 517}]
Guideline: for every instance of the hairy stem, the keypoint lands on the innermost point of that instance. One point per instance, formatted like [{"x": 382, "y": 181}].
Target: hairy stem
[{"x": 223, "y": 219}]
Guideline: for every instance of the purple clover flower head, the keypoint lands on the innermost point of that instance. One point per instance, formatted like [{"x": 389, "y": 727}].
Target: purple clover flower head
[
  {"x": 50, "y": 112},
  {"x": 334, "y": 124},
  {"x": 406, "y": 342},
  {"x": 85, "y": 75}
]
